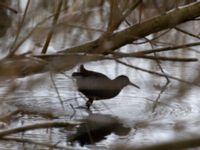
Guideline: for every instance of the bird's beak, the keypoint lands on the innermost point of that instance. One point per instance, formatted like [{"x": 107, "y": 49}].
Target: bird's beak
[{"x": 130, "y": 83}]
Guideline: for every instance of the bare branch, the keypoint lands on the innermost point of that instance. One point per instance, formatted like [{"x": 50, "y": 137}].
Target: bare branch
[
  {"x": 135, "y": 32},
  {"x": 49, "y": 124},
  {"x": 49, "y": 36}
]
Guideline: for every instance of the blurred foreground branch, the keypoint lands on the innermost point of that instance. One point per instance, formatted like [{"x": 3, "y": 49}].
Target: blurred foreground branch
[
  {"x": 23, "y": 66},
  {"x": 33, "y": 141},
  {"x": 173, "y": 145},
  {"x": 41, "y": 125}
]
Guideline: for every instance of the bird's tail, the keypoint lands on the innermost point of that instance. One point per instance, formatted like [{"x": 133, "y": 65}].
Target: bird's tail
[
  {"x": 82, "y": 68},
  {"x": 76, "y": 74}
]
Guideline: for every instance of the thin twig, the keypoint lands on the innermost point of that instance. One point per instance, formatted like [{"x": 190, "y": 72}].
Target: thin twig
[
  {"x": 83, "y": 27},
  {"x": 13, "y": 48},
  {"x": 168, "y": 48},
  {"x": 163, "y": 88},
  {"x": 160, "y": 58},
  {"x": 116, "y": 18},
  {"x": 33, "y": 29},
  {"x": 157, "y": 73},
  {"x": 50, "y": 34},
  {"x": 187, "y": 33},
  {"x": 153, "y": 39},
  {"x": 74, "y": 111},
  {"x": 56, "y": 89},
  {"x": 167, "y": 79},
  {"x": 128, "y": 12},
  {"x": 7, "y": 7}
]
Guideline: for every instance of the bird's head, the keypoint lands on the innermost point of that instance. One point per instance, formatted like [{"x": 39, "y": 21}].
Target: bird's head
[{"x": 124, "y": 81}]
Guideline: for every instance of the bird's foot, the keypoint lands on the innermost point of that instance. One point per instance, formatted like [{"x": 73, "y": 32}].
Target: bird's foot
[{"x": 88, "y": 104}]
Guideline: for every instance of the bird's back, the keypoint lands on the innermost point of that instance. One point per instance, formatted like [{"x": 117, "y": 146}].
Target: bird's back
[{"x": 88, "y": 73}]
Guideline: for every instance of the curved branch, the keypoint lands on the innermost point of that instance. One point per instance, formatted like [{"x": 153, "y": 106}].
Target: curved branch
[{"x": 171, "y": 19}]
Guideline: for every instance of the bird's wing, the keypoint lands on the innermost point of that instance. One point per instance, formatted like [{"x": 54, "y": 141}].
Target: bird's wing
[{"x": 92, "y": 83}]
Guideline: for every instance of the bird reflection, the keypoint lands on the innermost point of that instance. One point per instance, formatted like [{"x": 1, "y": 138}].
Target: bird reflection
[{"x": 95, "y": 127}]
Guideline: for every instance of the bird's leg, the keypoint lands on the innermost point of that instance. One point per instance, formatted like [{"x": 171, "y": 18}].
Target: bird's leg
[{"x": 89, "y": 103}]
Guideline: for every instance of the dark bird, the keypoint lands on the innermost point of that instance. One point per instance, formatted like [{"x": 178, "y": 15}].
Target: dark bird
[{"x": 97, "y": 86}]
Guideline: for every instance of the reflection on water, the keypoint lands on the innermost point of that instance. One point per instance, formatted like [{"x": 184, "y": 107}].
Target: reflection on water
[{"x": 96, "y": 127}]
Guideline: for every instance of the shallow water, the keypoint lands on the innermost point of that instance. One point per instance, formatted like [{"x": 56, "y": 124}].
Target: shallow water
[{"x": 176, "y": 115}]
